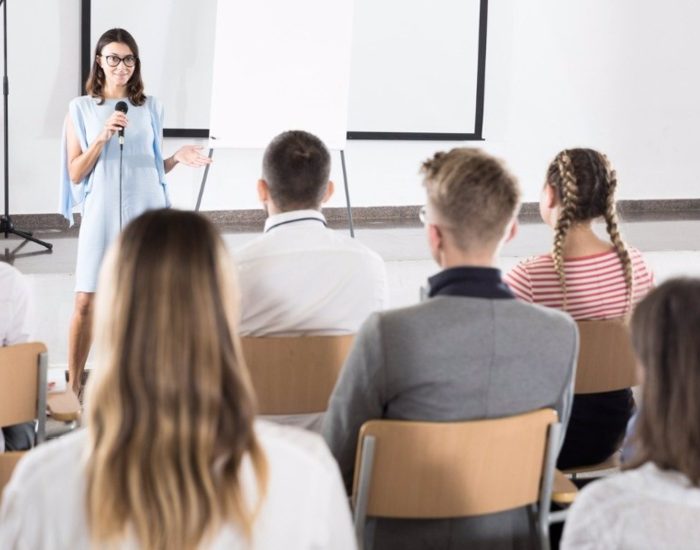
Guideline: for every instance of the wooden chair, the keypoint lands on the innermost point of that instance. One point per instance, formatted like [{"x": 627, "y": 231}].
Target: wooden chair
[
  {"x": 606, "y": 362},
  {"x": 8, "y": 461},
  {"x": 431, "y": 470},
  {"x": 295, "y": 374},
  {"x": 23, "y": 386}
]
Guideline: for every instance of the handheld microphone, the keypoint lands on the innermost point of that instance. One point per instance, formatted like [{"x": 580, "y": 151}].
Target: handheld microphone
[{"x": 122, "y": 107}]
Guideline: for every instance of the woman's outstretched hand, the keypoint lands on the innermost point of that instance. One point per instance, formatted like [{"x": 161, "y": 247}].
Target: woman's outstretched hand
[{"x": 190, "y": 155}]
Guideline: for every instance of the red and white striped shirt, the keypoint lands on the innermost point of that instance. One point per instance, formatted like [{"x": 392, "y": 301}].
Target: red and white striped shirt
[{"x": 595, "y": 285}]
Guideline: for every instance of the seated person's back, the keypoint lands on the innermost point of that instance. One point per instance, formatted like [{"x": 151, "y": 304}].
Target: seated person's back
[
  {"x": 591, "y": 279},
  {"x": 300, "y": 276},
  {"x": 656, "y": 502},
  {"x": 14, "y": 329},
  {"x": 471, "y": 351},
  {"x": 171, "y": 456}
]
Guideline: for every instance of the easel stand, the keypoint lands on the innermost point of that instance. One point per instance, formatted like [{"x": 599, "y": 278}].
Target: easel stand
[
  {"x": 345, "y": 181},
  {"x": 6, "y": 225}
]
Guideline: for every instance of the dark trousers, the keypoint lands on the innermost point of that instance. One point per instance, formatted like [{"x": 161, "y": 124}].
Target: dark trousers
[
  {"x": 596, "y": 427},
  {"x": 19, "y": 437}
]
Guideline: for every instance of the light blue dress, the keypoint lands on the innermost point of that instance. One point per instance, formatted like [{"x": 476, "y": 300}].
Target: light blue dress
[{"x": 143, "y": 179}]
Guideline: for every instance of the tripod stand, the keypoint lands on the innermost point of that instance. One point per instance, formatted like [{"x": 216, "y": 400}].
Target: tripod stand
[{"x": 6, "y": 225}]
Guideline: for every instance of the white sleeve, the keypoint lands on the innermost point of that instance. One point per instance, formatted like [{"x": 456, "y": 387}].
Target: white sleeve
[{"x": 18, "y": 328}]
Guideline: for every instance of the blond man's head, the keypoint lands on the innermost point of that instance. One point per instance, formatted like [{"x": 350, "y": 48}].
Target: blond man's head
[{"x": 471, "y": 196}]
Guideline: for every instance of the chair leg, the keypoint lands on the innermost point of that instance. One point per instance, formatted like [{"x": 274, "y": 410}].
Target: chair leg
[
  {"x": 363, "y": 486},
  {"x": 43, "y": 365}
]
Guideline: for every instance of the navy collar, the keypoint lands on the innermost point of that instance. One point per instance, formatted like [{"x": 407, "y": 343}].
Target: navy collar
[{"x": 470, "y": 282}]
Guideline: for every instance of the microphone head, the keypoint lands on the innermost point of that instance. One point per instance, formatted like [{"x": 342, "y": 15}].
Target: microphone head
[{"x": 121, "y": 106}]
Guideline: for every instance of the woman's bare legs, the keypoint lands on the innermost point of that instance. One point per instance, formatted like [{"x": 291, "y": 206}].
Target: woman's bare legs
[{"x": 79, "y": 338}]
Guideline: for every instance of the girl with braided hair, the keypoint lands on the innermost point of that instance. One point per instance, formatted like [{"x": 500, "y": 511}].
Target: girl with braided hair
[{"x": 588, "y": 277}]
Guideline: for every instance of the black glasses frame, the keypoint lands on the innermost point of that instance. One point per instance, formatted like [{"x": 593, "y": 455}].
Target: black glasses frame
[{"x": 128, "y": 60}]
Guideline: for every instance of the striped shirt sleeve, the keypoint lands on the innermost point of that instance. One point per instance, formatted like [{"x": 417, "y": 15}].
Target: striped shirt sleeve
[{"x": 518, "y": 279}]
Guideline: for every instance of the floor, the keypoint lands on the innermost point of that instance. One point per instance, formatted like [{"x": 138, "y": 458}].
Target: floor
[{"x": 671, "y": 246}]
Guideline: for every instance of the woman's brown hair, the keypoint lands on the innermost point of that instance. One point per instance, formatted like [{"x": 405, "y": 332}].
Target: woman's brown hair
[
  {"x": 96, "y": 81},
  {"x": 584, "y": 182},
  {"x": 665, "y": 335},
  {"x": 170, "y": 408}
]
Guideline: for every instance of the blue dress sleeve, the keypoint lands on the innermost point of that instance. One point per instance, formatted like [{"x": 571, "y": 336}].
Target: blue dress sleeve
[
  {"x": 71, "y": 194},
  {"x": 157, "y": 116}
]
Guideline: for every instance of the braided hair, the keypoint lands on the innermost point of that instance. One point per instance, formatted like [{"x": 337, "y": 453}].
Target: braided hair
[{"x": 585, "y": 183}]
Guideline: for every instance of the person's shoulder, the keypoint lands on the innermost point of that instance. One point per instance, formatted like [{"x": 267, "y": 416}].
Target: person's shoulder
[
  {"x": 616, "y": 492},
  {"x": 60, "y": 459},
  {"x": 343, "y": 241},
  {"x": 539, "y": 312},
  {"x": 536, "y": 262},
  {"x": 13, "y": 280},
  {"x": 638, "y": 258},
  {"x": 10, "y": 270},
  {"x": 293, "y": 445},
  {"x": 153, "y": 103},
  {"x": 256, "y": 247},
  {"x": 82, "y": 102}
]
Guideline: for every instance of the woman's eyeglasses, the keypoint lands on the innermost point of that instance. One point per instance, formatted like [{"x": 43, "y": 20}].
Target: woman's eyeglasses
[{"x": 114, "y": 60}]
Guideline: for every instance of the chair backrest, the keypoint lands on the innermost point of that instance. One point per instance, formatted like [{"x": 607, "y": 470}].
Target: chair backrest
[
  {"x": 295, "y": 374},
  {"x": 453, "y": 469},
  {"x": 23, "y": 385},
  {"x": 606, "y": 360},
  {"x": 8, "y": 461}
]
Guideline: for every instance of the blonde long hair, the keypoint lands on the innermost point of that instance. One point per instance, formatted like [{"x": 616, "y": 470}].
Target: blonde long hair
[
  {"x": 585, "y": 183},
  {"x": 170, "y": 407}
]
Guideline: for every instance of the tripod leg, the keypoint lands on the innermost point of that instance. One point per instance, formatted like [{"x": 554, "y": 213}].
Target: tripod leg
[
  {"x": 29, "y": 237},
  {"x": 347, "y": 194}
]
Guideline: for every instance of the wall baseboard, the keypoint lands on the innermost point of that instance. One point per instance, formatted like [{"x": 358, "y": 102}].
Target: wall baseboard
[{"x": 367, "y": 216}]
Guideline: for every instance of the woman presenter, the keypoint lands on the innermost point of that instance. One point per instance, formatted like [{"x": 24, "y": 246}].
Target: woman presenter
[{"x": 115, "y": 175}]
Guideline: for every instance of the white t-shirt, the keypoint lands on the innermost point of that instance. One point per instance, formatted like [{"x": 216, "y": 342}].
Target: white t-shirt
[
  {"x": 638, "y": 509},
  {"x": 300, "y": 277},
  {"x": 43, "y": 507}
]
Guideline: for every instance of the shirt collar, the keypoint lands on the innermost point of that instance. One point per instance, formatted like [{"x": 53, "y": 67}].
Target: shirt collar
[
  {"x": 295, "y": 217},
  {"x": 470, "y": 282}
]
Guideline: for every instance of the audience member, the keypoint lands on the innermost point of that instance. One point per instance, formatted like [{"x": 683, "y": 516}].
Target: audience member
[
  {"x": 589, "y": 278},
  {"x": 470, "y": 351},
  {"x": 656, "y": 502},
  {"x": 300, "y": 276},
  {"x": 172, "y": 457},
  {"x": 14, "y": 325}
]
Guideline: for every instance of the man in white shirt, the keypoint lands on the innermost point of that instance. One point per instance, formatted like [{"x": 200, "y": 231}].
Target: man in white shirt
[
  {"x": 14, "y": 321},
  {"x": 300, "y": 277}
]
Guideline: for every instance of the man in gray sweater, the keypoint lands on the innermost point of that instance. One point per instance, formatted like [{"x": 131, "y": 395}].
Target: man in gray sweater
[{"x": 471, "y": 351}]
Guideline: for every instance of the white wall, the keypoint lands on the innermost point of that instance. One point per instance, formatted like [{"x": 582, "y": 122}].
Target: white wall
[{"x": 620, "y": 76}]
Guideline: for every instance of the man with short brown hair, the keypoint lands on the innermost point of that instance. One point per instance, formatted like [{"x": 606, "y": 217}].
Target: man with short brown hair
[
  {"x": 299, "y": 276},
  {"x": 471, "y": 351}
]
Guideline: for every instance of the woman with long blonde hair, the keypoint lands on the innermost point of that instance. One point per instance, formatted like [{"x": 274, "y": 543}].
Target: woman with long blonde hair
[{"x": 172, "y": 458}]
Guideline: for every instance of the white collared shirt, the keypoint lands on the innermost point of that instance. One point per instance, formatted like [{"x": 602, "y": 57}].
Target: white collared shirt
[
  {"x": 300, "y": 277},
  {"x": 14, "y": 306},
  {"x": 14, "y": 312}
]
